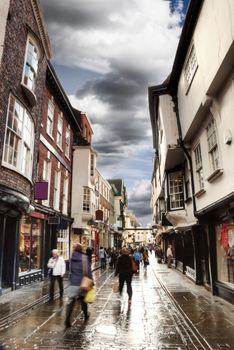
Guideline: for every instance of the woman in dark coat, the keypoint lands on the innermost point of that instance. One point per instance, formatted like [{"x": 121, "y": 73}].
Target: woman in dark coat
[
  {"x": 79, "y": 267},
  {"x": 125, "y": 272}
]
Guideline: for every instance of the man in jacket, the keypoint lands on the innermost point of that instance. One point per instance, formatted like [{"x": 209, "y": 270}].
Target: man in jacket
[
  {"x": 79, "y": 267},
  {"x": 57, "y": 266}
]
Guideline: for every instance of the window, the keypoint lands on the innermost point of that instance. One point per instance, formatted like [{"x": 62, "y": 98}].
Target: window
[
  {"x": 191, "y": 66},
  {"x": 63, "y": 243},
  {"x": 57, "y": 176},
  {"x": 46, "y": 177},
  {"x": 86, "y": 199},
  {"x": 176, "y": 194},
  {"x": 199, "y": 168},
  {"x": 60, "y": 130},
  {"x": 92, "y": 165},
  {"x": 50, "y": 117},
  {"x": 19, "y": 139},
  {"x": 31, "y": 65},
  {"x": 65, "y": 195},
  {"x": 213, "y": 145},
  {"x": 67, "y": 143}
]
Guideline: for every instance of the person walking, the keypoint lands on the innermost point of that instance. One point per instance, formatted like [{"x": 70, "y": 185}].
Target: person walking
[
  {"x": 102, "y": 257},
  {"x": 57, "y": 267},
  {"x": 89, "y": 253},
  {"x": 125, "y": 272},
  {"x": 169, "y": 256},
  {"x": 137, "y": 255},
  {"x": 79, "y": 267}
]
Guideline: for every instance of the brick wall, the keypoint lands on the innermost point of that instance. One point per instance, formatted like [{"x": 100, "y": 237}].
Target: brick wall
[{"x": 20, "y": 18}]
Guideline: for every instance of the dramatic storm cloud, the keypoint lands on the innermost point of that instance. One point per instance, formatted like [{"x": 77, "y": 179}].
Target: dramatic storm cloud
[{"x": 106, "y": 54}]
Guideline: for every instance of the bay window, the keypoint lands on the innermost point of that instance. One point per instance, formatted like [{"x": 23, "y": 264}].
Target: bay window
[{"x": 19, "y": 139}]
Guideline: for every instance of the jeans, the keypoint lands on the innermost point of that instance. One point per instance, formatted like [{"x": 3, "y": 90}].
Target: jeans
[
  {"x": 52, "y": 282},
  {"x": 123, "y": 277}
]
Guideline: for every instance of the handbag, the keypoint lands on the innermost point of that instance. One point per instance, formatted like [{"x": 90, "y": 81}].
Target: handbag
[
  {"x": 90, "y": 296},
  {"x": 134, "y": 265},
  {"x": 86, "y": 282},
  {"x": 115, "y": 287}
]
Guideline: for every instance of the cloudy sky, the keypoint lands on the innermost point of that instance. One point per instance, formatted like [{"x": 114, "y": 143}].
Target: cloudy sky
[{"x": 106, "y": 54}]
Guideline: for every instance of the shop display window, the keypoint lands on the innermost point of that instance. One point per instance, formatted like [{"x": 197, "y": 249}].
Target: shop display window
[
  {"x": 63, "y": 243},
  {"x": 30, "y": 244},
  {"x": 225, "y": 253}
]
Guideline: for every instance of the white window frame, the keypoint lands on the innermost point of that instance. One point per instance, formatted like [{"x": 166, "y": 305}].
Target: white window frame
[
  {"x": 60, "y": 131},
  {"x": 92, "y": 164},
  {"x": 31, "y": 62},
  {"x": 213, "y": 149},
  {"x": 19, "y": 139},
  {"x": 65, "y": 194},
  {"x": 63, "y": 243},
  {"x": 176, "y": 190},
  {"x": 67, "y": 142},
  {"x": 46, "y": 176},
  {"x": 86, "y": 199},
  {"x": 199, "y": 167},
  {"x": 50, "y": 117},
  {"x": 190, "y": 67},
  {"x": 57, "y": 180}
]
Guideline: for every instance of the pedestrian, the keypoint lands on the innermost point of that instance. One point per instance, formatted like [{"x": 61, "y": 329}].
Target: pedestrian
[
  {"x": 146, "y": 258},
  {"x": 79, "y": 267},
  {"x": 89, "y": 253},
  {"x": 125, "y": 272},
  {"x": 137, "y": 255},
  {"x": 102, "y": 257},
  {"x": 57, "y": 269},
  {"x": 169, "y": 255}
]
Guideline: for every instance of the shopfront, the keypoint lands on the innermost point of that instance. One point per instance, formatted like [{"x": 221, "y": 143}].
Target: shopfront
[
  {"x": 225, "y": 254},
  {"x": 30, "y": 249}
]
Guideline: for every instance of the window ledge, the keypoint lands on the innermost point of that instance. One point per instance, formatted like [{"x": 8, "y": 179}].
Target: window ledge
[
  {"x": 30, "y": 95},
  {"x": 215, "y": 175},
  {"x": 199, "y": 193}
]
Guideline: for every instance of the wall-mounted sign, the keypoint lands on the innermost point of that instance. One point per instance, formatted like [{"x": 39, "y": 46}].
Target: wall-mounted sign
[{"x": 41, "y": 190}]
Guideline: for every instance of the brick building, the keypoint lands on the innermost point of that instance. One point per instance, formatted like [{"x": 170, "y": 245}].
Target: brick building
[
  {"x": 25, "y": 49},
  {"x": 51, "y": 218}
]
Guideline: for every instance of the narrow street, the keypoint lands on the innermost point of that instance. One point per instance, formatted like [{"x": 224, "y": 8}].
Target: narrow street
[{"x": 154, "y": 321}]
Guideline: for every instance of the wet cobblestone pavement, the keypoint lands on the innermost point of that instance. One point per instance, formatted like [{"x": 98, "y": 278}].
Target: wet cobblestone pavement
[{"x": 165, "y": 314}]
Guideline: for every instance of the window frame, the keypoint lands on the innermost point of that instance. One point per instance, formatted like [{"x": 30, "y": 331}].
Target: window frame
[
  {"x": 50, "y": 117},
  {"x": 60, "y": 131},
  {"x": 67, "y": 144},
  {"x": 198, "y": 167},
  {"x": 65, "y": 194},
  {"x": 86, "y": 205},
  {"x": 23, "y": 139},
  {"x": 46, "y": 176},
  {"x": 170, "y": 194},
  {"x": 57, "y": 188},
  {"x": 213, "y": 147},
  {"x": 189, "y": 73},
  {"x": 32, "y": 66}
]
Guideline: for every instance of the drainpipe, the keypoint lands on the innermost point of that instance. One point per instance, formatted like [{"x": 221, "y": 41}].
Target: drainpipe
[{"x": 180, "y": 140}]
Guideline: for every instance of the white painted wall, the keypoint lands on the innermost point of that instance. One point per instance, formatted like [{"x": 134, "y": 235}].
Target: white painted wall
[{"x": 213, "y": 37}]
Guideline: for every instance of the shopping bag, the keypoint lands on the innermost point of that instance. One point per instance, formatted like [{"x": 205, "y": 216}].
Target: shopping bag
[
  {"x": 86, "y": 283},
  {"x": 90, "y": 296},
  {"x": 115, "y": 287},
  {"x": 134, "y": 265}
]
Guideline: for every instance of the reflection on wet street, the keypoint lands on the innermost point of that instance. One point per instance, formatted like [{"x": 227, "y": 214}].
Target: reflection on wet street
[{"x": 153, "y": 321}]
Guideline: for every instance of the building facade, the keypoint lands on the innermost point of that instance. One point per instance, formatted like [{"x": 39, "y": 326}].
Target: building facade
[
  {"x": 200, "y": 88},
  {"x": 25, "y": 49}
]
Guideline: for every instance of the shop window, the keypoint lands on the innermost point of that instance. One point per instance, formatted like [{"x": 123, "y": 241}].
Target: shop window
[
  {"x": 19, "y": 139},
  {"x": 30, "y": 244},
  {"x": 176, "y": 193},
  {"x": 63, "y": 243},
  {"x": 225, "y": 253}
]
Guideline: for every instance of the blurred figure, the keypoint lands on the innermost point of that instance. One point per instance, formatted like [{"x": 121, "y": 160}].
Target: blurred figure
[
  {"x": 79, "y": 267},
  {"x": 169, "y": 255},
  {"x": 89, "y": 253},
  {"x": 102, "y": 257},
  {"x": 124, "y": 270},
  {"x": 146, "y": 258},
  {"x": 57, "y": 267},
  {"x": 137, "y": 255}
]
